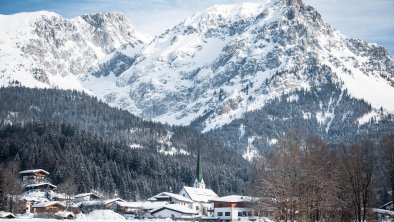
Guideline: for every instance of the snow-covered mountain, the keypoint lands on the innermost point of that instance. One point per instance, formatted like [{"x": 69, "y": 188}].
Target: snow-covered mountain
[
  {"x": 232, "y": 59},
  {"x": 213, "y": 71},
  {"x": 42, "y": 49}
]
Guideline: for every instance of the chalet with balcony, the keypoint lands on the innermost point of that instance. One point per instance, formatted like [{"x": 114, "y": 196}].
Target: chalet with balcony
[
  {"x": 48, "y": 207},
  {"x": 33, "y": 176}
]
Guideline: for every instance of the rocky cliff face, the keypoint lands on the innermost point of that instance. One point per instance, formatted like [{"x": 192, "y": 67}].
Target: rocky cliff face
[
  {"x": 228, "y": 60},
  {"x": 43, "y": 49}
]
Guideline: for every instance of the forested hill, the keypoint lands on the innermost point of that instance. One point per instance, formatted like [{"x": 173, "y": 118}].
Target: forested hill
[{"x": 80, "y": 139}]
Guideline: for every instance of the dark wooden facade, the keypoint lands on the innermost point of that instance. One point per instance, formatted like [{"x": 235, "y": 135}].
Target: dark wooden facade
[{"x": 53, "y": 208}]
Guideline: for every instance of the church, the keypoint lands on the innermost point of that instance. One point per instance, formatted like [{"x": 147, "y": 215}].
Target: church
[{"x": 201, "y": 196}]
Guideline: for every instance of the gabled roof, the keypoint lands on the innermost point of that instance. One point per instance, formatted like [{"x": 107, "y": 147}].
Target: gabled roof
[
  {"x": 171, "y": 195},
  {"x": 146, "y": 205},
  {"x": 4, "y": 214},
  {"x": 88, "y": 203},
  {"x": 175, "y": 207},
  {"x": 86, "y": 194},
  {"x": 200, "y": 195},
  {"x": 64, "y": 214},
  {"x": 113, "y": 200},
  {"x": 234, "y": 199},
  {"x": 40, "y": 185},
  {"x": 386, "y": 204},
  {"x": 34, "y": 171},
  {"x": 46, "y": 204}
]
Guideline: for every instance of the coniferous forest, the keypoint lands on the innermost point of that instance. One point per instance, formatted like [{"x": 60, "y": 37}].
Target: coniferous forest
[{"x": 85, "y": 143}]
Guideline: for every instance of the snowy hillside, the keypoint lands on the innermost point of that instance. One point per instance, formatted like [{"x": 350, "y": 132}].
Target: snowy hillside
[{"x": 42, "y": 49}]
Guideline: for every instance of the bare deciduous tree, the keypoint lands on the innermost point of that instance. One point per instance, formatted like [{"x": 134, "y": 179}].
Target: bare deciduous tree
[
  {"x": 357, "y": 167},
  {"x": 387, "y": 153}
]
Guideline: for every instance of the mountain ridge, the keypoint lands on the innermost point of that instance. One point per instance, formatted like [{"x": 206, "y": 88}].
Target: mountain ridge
[{"x": 217, "y": 66}]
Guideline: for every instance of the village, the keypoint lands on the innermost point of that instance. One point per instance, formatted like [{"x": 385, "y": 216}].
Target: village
[{"x": 40, "y": 200}]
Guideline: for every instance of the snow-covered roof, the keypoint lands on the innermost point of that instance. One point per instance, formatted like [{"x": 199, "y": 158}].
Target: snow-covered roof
[
  {"x": 175, "y": 207},
  {"x": 386, "y": 204},
  {"x": 64, "y": 214},
  {"x": 146, "y": 205},
  {"x": 381, "y": 211},
  {"x": 4, "y": 214},
  {"x": 113, "y": 200},
  {"x": 35, "y": 196},
  {"x": 103, "y": 215},
  {"x": 172, "y": 195},
  {"x": 200, "y": 195},
  {"x": 34, "y": 171},
  {"x": 41, "y": 184},
  {"x": 88, "y": 203},
  {"x": 234, "y": 199},
  {"x": 85, "y": 194},
  {"x": 46, "y": 204}
]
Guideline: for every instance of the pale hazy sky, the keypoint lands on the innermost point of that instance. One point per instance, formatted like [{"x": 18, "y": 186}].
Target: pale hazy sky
[{"x": 369, "y": 20}]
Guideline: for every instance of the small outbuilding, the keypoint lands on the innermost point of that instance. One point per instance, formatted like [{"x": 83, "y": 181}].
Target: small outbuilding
[
  {"x": 64, "y": 215},
  {"x": 6, "y": 215}
]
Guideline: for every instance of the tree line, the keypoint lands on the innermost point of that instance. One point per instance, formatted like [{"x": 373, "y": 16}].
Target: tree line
[{"x": 304, "y": 179}]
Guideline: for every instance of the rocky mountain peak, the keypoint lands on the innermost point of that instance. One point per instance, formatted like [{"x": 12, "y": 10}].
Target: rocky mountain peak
[
  {"x": 213, "y": 67},
  {"x": 45, "y": 49}
]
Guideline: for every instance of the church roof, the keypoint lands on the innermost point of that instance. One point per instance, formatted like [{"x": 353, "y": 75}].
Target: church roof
[{"x": 200, "y": 195}]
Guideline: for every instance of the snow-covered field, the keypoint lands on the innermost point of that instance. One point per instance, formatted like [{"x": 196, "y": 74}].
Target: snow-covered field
[{"x": 99, "y": 216}]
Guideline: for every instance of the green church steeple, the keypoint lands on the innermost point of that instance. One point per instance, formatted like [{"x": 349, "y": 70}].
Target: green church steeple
[
  {"x": 198, "y": 169},
  {"x": 199, "y": 183}
]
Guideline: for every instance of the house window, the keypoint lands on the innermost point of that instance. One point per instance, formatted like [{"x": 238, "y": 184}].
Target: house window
[
  {"x": 227, "y": 214},
  {"x": 197, "y": 208},
  {"x": 239, "y": 213},
  {"x": 220, "y": 214}
]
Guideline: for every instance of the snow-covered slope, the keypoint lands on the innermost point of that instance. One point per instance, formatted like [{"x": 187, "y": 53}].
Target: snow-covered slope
[
  {"x": 209, "y": 70},
  {"x": 231, "y": 59},
  {"x": 42, "y": 49}
]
